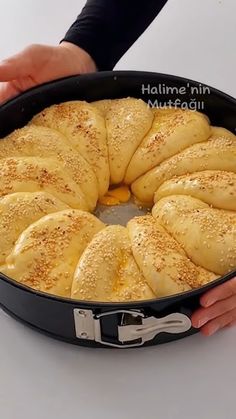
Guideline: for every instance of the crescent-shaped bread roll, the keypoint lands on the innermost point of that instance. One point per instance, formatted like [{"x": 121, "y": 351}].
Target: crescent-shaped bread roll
[
  {"x": 187, "y": 203},
  {"x": 127, "y": 122},
  {"x": 84, "y": 127},
  {"x": 18, "y": 211},
  {"x": 207, "y": 235},
  {"x": 161, "y": 259},
  {"x": 34, "y": 174},
  {"x": 107, "y": 270},
  {"x": 47, "y": 252},
  {"x": 172, "y": 131},
  {"x": 216, "y": 188},
  {"x": 214, "y": 154},
  {"x": 44, "y": 142},
  {"x": 219, "y": 132}
]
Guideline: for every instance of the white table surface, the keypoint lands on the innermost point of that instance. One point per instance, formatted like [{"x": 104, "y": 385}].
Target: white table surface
[{"x": 190, "y": 379}]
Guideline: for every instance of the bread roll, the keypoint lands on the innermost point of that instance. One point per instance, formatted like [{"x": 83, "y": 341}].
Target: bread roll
[
  {"x": 56, "y": 168},
  {"x": 219, "y": 132},
  {"x": 127, "y": 122},
  {"x": 107, "y": 270},
  {"x": 103, "y": 105},
  {"x": 161, "y": 259},
  {"x": 34, "y": 174},
  {"x": 172, "y": 131},
  {"x": 44, "y": 142},
  {"x": 207, "y": 235},
  {"x": 187, "y": 203},
  {"x": 47, "y": 252},
  {"x": 216, "y": 154},
  {"x": 216, "y": 188},
  {"x": 18, "y": 211},
  {"x": 84, "y": 127}
]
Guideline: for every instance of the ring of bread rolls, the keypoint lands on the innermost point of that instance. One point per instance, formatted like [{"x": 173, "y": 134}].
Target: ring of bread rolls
[{"x": 54, "y": 170}]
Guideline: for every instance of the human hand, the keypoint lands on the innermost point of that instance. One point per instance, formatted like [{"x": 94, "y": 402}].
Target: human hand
[
  {"x": 218, "y": 309},
  {"x": 38, "y": 64}
]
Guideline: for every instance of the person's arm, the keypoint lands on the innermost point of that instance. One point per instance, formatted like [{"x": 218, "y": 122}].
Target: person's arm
[
  {"x": 106, "y": 29},
  {"x": 102, "y": 33}
]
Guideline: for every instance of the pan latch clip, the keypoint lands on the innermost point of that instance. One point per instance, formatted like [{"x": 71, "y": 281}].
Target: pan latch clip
[{"x": 126, "y": 328}]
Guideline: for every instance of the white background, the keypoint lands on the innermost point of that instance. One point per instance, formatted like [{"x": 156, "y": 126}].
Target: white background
[
  {"x": 190, "y": 38},
  {"x": 191, "y": 379}
]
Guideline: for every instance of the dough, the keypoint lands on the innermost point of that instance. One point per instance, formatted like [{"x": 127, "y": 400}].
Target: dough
[
  {"x": 34, "y": 174},
  {"x": 127, "y": 122},
  {"x": 37, "y": 141},
  {"x": 216, "y": 188},
  {"x": 84, "y": 127},
  {"x": 107, "y": 270},
  {"x": 47, "y": 252},
  {"x": 207, "y": 235},
  {"x": 18, "y": 211},
  {"x": 162, "y": 260},
  {"x": 215, "y": 154},
  {"x": 56, "y": 169},
  {"x": 172, "y": 131}
]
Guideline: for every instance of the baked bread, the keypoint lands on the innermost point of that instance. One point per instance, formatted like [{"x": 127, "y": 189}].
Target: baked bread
[
  {"x": 172, "y": 131},
  {"x": 207, "y": 235},
  {"x": 107, "y": 270},
  {"x": 162, "y": 260},
  {"x": 218, "y": 153},
  {"x": 38, "y": 141},
  {"x": 84, "y": 126},
  {"x": 47, "y": 252},
  {"x": 215, "y": 187},
  {"x": 32, "y": 174},
  {"x": 127, "y": 122}
]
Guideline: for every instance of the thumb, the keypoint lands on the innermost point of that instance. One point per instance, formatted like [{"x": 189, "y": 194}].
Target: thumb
[
  {"x": 7, "y": 91},
  {"x": 19, "y": 65}
]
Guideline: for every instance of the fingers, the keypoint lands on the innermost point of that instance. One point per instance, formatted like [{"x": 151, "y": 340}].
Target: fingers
[
  {"x": 233, "y": 323},
  {"x": 226, "y": 290},
  {"x": 205, "y": 315},
  {"x": 8, "y": 91},
  {"x": 17, "y": 66},
  {"x": 227, "y": 319}
]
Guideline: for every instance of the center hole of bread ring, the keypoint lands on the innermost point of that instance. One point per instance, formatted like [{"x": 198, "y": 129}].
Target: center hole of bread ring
[{"x": 118, "y": 206}]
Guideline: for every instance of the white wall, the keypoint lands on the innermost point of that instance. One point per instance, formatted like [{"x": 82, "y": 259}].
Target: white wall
[{"x": 192, "y": 38}]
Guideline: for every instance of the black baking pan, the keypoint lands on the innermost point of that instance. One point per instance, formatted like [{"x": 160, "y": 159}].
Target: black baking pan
[{"x": 96, "y": 324}]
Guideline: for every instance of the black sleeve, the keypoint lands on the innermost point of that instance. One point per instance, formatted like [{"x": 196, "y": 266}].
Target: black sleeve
[{"x": 106, "y": 29}]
